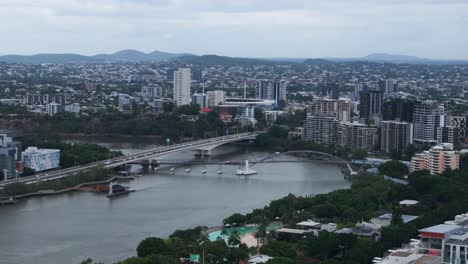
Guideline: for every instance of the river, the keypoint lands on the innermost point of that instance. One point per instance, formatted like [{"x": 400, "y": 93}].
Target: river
[{"x": 70, "y": 228}]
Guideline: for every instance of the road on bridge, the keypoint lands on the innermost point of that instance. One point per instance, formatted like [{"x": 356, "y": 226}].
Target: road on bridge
[{"x": 122, "y": 160}]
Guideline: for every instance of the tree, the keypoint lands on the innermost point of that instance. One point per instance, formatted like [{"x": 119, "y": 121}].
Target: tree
[
  {"x": 393, "y": 168},
  {"x": 234, "y": 239},
  {"x": 259, "y": 115},
  {"x": 28, "y": 172},
  {"x": 151, "y": 245},
  {"x": 359, "y": 154},
  {"x": 278, "y": 248},
  {"x": 135, "y": 260}
]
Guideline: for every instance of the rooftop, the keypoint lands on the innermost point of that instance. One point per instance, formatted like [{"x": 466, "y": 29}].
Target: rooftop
[
  {"x": 440, "y": 229},
  {"x": 292, "y": 231}
]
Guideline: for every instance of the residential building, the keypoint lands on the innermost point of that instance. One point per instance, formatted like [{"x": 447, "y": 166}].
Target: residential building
[
  {"x": 459, "y": 122},
  {"x": 73, "y": 108},
  {"x": 41, "y": 159},
  {"x": 272, "y": 90},
  {"x": 398, "y": 109},
  {"x": 199, "y": 99},
  {"x": 182, "y": 82},
  {"x": 215, "y": 97},
  {"x": 370, "y": 104},
  {"x": 357, "y": 136},
  {"x": 345, "y": 107},
  {"x": 323, "y": 107},
  {"x": 151, "y": 92},
  {"x": 53, "y": 108},
  {"x": 395, "y": 135},
  {"x": 448, "y": 134},
  {"x": 272, "y": 115},
  {"x": 321, "y": 129},
  {"x": 437, "y": 159},
  {"x": 427, "y": 117}
]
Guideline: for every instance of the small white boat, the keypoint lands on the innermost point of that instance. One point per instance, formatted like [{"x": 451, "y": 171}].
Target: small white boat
[
  {"x": 203, "y": 171},
  {"x": 246, "y": 170},
  {"x": 187, "y": 170},
  {"x": 220, "y": 172},
  {"x": 171, "y": 169}
]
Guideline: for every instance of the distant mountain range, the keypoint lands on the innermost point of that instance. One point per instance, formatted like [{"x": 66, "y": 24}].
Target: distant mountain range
[
  {"x": 156, "y": 56},
  {"x": 121, "y": 56},
  {"x": 394, "y": 58}
]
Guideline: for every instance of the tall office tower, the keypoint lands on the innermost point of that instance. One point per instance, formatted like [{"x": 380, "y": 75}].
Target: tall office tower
[
  {"x": 215, "y": 97},
  {"x": 448, "y": 134},
  {"x": 323, "y": 107},
  {"x": 199, "y": 99},
  {"x": 272, "y": 90},
  {"x": 395, "y": 135},
  {"x": 437, "y": 159},
  {"x": 357, "y": 136},
  {"x": 398, "y": 109},
  {"x": 182, "y": 81},
  {"x": 321, "y": 129},
  {"x": 371, "y": 104},
  {"x": 460, "y": 123},
  {"x": 427, "y": 117},
  {"x": 345, "y": 107}
]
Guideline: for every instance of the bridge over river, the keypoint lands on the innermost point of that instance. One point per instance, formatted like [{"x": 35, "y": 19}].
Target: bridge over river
[{"x": 201, "y": 147}]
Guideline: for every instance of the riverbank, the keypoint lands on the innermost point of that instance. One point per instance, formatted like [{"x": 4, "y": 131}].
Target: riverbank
[
  {"x": 163, "y": 202},
  {"x": 66, "y": 190}
]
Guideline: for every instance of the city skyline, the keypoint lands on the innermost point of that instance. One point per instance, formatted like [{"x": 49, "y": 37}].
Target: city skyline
[{"x": 241, "y": 29}]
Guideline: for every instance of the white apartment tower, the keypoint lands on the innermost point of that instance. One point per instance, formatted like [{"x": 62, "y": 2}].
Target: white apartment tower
[
  {"x": 427, "y": 117},
  {"x": 182, "y": 81},
  {"x": 215, "y": 97}
]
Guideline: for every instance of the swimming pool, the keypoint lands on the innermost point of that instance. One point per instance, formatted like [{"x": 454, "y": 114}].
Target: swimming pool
[{"x": 244, "y": 230}]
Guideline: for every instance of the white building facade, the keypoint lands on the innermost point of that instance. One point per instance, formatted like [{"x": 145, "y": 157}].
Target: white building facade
[
  {"x": 182, "y": 80},
  {"x": 41, "y": 159}
]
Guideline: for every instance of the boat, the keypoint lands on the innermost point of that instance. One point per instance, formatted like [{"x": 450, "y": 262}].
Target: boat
[
  {"x": 220, "y": 172},
  {"x": 246, "y": 170},
  {"x": 117, "y": 190},
  {"x": 187, "y": 170},
  {"x": 203, "y": 171},
  {"x": 8, "y": 201},
  {"x": 171, "y": 169}
]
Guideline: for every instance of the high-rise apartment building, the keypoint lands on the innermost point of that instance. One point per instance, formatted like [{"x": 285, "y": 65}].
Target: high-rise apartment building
[
  {"x": 395, "y": 135},
  {"x": 215, "y": 97},
  {"x": 448, "y": 134},
  {"x": 459, "y": 122},
  {"x": 437, "y": 159},
  {"x": 357, "y": 136},
  {"x": 199, "y": 99},
  {"x": 398, "y": 109},
  {"x": 53, "y": 108},
  {"x": 427, "y": 117},
  {"x": 370, "y": 104},
  {"x": 272, "y": 90},
  {"x": 323, "y": 107},
  {"x": 151, "y": 92},
  {"x": 321, "y": 129},
  {"x": 182, "y": 80},
  {"x": 345, "y": 108}
]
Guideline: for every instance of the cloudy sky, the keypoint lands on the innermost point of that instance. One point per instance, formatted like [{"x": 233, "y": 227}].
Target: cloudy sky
[{"x": 254, "y": 28}]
